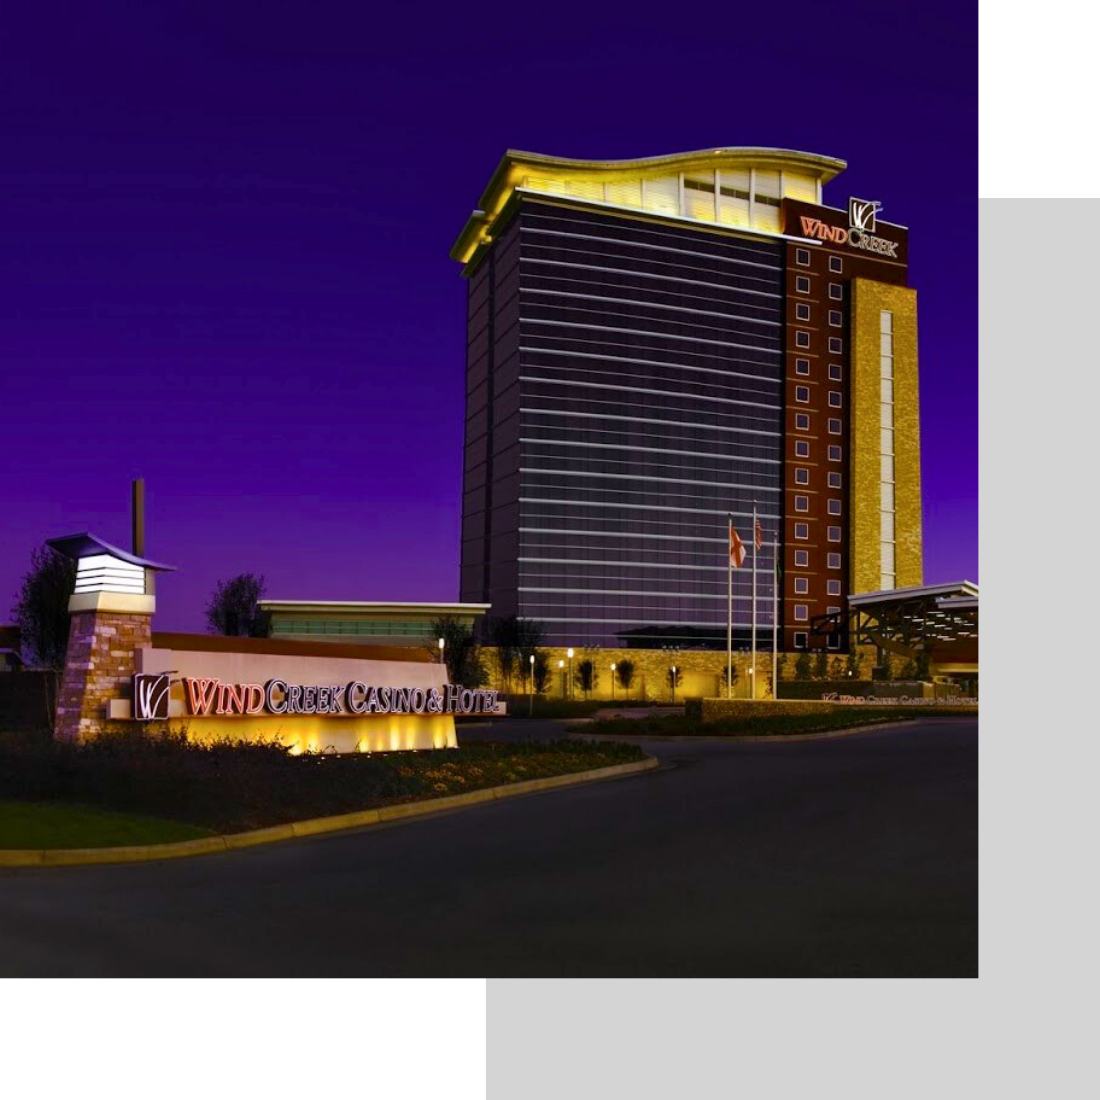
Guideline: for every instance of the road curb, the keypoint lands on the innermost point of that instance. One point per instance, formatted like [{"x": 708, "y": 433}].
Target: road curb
[
  {"x": 317, "y": 826},
  {"x": 736, "y": 739}
]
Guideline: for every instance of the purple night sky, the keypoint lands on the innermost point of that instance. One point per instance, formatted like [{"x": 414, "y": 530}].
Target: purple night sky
[{"x": 225, "y": 245}]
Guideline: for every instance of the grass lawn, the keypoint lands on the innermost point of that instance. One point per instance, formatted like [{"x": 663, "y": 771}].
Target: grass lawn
[
  {"x": 63, "y": 825},
  {"x": 679, "y": 725}
]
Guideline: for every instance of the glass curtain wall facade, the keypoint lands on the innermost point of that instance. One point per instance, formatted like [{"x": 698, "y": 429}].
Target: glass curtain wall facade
[{"x": 625, "y": 392}]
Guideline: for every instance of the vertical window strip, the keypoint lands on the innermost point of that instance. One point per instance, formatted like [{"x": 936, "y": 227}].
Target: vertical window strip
[{"x": 887, "y": 497}]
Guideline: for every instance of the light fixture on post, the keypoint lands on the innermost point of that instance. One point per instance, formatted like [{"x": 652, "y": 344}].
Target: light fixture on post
[
  {"x": 613, "y": 681},
  {"x": 442, "y": 643},
  {"x": 569, "y": 654},
  {"x": 531, "y": 687},
  {"x": 672, "y": 681},
  {"x": 561, "y": 670}
]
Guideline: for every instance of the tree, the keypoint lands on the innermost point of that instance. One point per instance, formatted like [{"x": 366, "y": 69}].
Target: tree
[
  {"x": 923, "y": 664},
  {"x": 41, "y": 612},
  {"x": 885, "y": 670},
  {"x": 673, "y": 678},
  {"x": 586, "y": 676},
  {"x": 542, "y": 671},
  {"x": 836, "y": 669},
  {"x": 461, "y": 653},
  {"x": 821, "y": 665},
  {"x": 802, "y": 666},
  {"x": 516, "y": 640},
  {"x": 625, "y": 673},
  {"x": 42, "y": 608},
  {"x": 730, "y": 674},
  {"x": 852, "y": 668},
  {"x": 234, "y": 607}
]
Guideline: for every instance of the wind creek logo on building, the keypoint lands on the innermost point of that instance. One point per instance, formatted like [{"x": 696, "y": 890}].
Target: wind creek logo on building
[
  {"x": 209, "y": 696},
  {"x": 862, "y": 215}
]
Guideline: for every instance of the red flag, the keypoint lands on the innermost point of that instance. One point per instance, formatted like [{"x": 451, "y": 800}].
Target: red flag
[
  {"x": 737, "y": 549},
  {"x": 759, "y": 536}
]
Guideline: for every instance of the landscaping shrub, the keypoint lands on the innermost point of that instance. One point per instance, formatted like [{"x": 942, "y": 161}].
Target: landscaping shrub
[{"x": 236, "y": 785}]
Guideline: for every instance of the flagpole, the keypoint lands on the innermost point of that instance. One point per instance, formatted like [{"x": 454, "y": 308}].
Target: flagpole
[
  {"x": 755, "y": 554},
  {"x": 775, "y": 616},
  {"x": 729, "y": 610}
]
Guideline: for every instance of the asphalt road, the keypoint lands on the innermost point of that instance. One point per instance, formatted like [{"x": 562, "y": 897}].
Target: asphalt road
[{"x": 846, "y": 857}]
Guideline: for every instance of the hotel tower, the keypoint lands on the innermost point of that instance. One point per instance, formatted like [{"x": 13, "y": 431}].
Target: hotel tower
[{"x": 655, "y": 344}]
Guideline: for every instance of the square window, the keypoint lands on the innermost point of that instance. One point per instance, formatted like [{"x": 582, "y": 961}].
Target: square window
[
  {"x": 801, "y": 339},
  {"x": 801, "y": 476},
  {"x": 834, "y": 507},
  {"x": 802, "y": 559},
  {"x": 802, "y": 448},
  {"x": 835, "y": 264},
  {"x": 832, "y": 610},
  {"x": 834, "y": 534},
  {"x": 834, "y": 453},
  {"x": 833, "y": 641},
  {"x": 802, "y": 257},
  {"x": 834, "y": 588},
  {"x": 802, "y": 586},
  {"x": 800, "y": 639},
  {"x": 802, "y": 393},
  {"x": 802, "y": 422},
  {"x": 801, "y": 504},
  {"x": 802, "y": 284},
  {"x": 835, "y": 427},
  {"x": 836, "y": 372},
  {"x": 801, "y": 530},
  {"x": 801, "y": 612},
  {"x": 836, "y": 318},
  {"x": 836, "y": 291},
  {"x": 834, "y": 479},
  {"x": 834, "y": 561},
  {"x": 802, "y": 311},
  {"x": 802, "y": 366},
  {"x": 836, "y": 345},
  {"x": 836, "y": 399}
]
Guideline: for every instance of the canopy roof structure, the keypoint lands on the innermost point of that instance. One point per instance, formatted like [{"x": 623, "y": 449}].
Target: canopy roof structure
[
  {"x": 939, "y": 619},
  {"x": 87, "y": 545}
]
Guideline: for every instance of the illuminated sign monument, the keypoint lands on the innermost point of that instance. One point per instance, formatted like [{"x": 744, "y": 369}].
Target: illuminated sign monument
[{"x": 209, "y": 695}]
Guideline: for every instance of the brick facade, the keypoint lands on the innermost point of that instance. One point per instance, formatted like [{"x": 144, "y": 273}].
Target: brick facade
[{"x": 98, "y": 667}]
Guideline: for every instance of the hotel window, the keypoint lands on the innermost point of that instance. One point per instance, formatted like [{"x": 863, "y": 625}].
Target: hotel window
[
  {"x": 802, "y": 448},
  {"x": 802, "y": 257},
  {"x": 802, "y": 311},
  {"x": 836, "y": 345},
  {"x": 832, "y": 610},
  {"x": 834, "y": 453},
  {"x": 835, "y": 399},
  {"x": 833, "y": 588},
  {"x": 835, "y": 427},
  {"x": 836, "y": 291},
  {"x": 802, "y": 394},
  {"x": 834, "y": 507},
  {"x": 801, "y": 530},
  {"x": 802, "y": 586},
  {"x": 801, "y": 504},
  {"x": 801, "y": 476},
  {"x": 802, "y": 284},
  {"x": 836, "y": 318},
  {"x": 801, "y": 339},
  {"x": 801, "y": 612},
  {"x": 802, "y": 366},
  {"x": 834, "y": 479},
  {"x": 836, "y": 264},
  {"x": 834, "y": 561},
  {"x": 800, "y": 639},
  {"x": 834, "y": 534},
  {"x": 802, "y": 559},
  {"x": 833, "y": 641},
  {"x": 887, "y": 546},
  {"x": 802, "y": 422},
  {"x": 836, "y": 372}
]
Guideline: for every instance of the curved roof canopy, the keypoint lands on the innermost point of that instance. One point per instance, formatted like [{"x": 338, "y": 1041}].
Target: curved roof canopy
[
  {"x": 87, "y": 545},
  {"x": 734, "y": 174}
]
